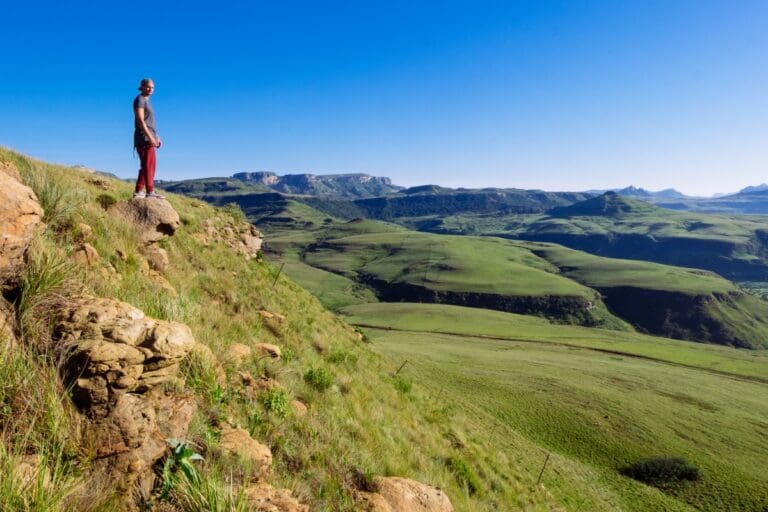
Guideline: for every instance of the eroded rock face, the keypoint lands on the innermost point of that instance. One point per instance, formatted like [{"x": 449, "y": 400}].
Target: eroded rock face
[
  {"x": 110, "y": 347},
  {"x": 115, "y": 360},
  {"x": 244, "y": 238},
  {"x": 154, "y": 219},
  {"x": 395, "y": 494},
  {"x": 20, "y": 217}
]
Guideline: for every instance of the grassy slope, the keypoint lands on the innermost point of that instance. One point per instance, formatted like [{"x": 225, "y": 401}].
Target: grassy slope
[
  {"x": 595, "y": 409},
  {"x": 367, "y": 420}
]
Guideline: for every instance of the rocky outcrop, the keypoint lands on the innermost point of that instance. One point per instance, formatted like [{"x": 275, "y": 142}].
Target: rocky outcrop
[
  {"x": 243, "y": 238},
  {"x": 154, "y": 219},
  {"x": 20, "y": 217},
  {"x": 157, "y": 258},
  {"x": 395, "y": 494},
  {"x": 268, "y": 350},
  {"x": 116, "y": 360}
]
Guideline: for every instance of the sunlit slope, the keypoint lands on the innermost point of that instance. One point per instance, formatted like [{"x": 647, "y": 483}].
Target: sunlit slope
[
  {"x": 398, "y": 264},
  {"x": 446, "y": 319},
  {"x": 601, "y": 410}
]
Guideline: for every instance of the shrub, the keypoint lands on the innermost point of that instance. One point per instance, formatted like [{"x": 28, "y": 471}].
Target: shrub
[
  {"x": 402, "y": 384},
  {"x": 339, "y": 355},
  {"x": 59, "y": 199},
  {"x": 276, "y": 402},
  {"x": 319, "y": 378},
  {"x": 464, "y": 474},
  {"x": 661, "y": 471},
  {"x": 106, "y": 200}
]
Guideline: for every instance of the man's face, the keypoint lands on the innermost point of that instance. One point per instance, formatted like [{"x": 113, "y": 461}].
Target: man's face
[{"x": 148, "y": 88}]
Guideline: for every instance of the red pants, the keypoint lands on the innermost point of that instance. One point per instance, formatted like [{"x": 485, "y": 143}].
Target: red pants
[{"x": 147, "y": 172}]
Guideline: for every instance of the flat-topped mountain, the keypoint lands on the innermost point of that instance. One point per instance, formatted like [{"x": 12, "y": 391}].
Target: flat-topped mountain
[{"x": 353, "y": 186}]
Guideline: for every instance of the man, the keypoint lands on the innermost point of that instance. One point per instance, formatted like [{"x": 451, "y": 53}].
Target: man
[{"x": 145, "y": 140}]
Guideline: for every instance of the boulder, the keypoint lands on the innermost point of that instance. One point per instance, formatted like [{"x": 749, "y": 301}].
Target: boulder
[
  {"x": 268, "y": 349},
  {"x": 395, "y": 494},
  {"x": 157, "y": 258},
  {"x": 86, "y": 254},
  {"x": 271, "y": 316},
  {"x": 237, "y": 353},
  {"x": 154, "y": 219},
  {"x": 116, "y": 361},
  {"x": 84, "y": 232},
  {"x": 20, "y": 217},
  {"x": 243, "y": 238},
  {"x": 239, "y": 443},
  {"x": 263, "y": 497}
]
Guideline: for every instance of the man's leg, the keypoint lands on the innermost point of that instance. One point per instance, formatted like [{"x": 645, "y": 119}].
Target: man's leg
[
  {"x": 150, "y": 168},
  {"x": 141, "y": 181}
]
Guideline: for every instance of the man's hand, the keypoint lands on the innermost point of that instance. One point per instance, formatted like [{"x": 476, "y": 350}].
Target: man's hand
[{"x": 159, "y": 143}]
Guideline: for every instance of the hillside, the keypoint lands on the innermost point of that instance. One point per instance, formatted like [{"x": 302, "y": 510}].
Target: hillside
[{"x": 286, "y": 405}]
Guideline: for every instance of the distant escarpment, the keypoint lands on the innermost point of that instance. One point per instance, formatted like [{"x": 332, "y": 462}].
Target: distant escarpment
[
  {"x": 564, "y": 309},
  {"x": 683, "y": 316}
]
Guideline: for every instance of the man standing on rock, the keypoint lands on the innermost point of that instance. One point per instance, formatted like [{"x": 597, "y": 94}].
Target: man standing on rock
[{"x": 145, "y": 140}]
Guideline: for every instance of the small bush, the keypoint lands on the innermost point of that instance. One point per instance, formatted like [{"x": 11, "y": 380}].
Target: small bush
[
  {"x": 402, "y": 384},
  {"x": 276, "y": 402},
  {"x": 464, "y": 474},
  {"x": 661, "y": 471},
  {"x": 235, "y": 211},
  {"x": 319, "y": 378},
  {"x": 106, "y": 200}
]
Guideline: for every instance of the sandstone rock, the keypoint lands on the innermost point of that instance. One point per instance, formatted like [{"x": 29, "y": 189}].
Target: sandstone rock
[
  {"x": 268, "y": 349},
  {"x": 154, "y": 219},
  {"x": 253, "y": 385},
  {"x": 84, "y": 232},
  {"x": 9, "y": 168},
  {"x": 162, "y": 282},
  {"x": 8, "y": 327},
  {"x": 115, "y": 360},
  {"x": 263, "y": 497},
  {"x": 237, "y": 353},
  {"x": 250, "y": 242},
  {"x": 239, "y": 443},
  {"x": 157, "y": 258},
  {"x": 86, "y": 254},
  {"x": 299, "y": 408},
  {"x": 110, "y": 347},
  {"x": 20, "y": 217},
  {"x": 395, "y": 494},
  {"x": 272, "y": 316}
]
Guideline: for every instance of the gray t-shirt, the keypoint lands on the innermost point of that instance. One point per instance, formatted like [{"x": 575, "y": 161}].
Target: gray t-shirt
[{"x": 139, "y": 138}]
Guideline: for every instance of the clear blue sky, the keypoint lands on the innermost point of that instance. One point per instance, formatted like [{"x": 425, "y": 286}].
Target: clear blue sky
[{"x": 558, "y": 95}]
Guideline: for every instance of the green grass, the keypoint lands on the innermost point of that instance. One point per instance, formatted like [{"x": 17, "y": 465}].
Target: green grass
[
  {"x": 599, "y": 272},
  {"x": 438, "y": 318},
  {"x": 600, "y": 412}
]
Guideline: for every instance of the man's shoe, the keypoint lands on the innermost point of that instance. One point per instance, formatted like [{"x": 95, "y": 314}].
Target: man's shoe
[
  {"x": 155, "y": 195},
  {"x": 139, "y": 195}
]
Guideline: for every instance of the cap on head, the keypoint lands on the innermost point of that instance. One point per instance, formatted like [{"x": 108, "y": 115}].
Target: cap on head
[{"x": 145, "y": 82}]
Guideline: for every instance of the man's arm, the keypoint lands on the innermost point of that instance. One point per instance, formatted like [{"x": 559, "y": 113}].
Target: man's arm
[{"x": 139, "y": 113}]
